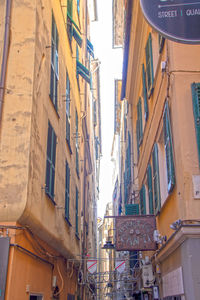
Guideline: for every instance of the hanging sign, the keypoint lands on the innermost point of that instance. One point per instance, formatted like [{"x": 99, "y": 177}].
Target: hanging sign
[
  {"x": 135, "y": 233},
  {"x": 92, "y": 266},
  {"x": 178, "y": 20},
  {"x": 120, "y": 266}
]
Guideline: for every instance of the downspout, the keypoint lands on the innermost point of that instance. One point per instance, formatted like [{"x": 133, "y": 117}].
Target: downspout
[{"x": 5, "y": 54}]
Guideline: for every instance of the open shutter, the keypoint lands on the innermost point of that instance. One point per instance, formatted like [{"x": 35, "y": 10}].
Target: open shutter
[
  {"x": 90, "y": 48},
  {"x": 156, "y": 179},
  {"x": 150, "y": 190},
  {"x": 83, "y": 71},
  {"x": 146, "y": 110},
  {"x": 139, "y": 117},
  {"x": 149, "y": 65},
  {"x": 143, "y": 201},
  {"x": 168, "y": 149},
  {"x": 138, "y": 140},
  {"x": 77, "y": 37},
  {"x": 196, "y": 111}
]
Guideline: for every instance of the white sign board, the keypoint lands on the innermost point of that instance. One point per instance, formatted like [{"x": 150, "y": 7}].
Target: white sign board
[
  {"x": 120, "y": 266},
  {"x": 92, "y": 266},
  {"x": 173, "y": 283}
]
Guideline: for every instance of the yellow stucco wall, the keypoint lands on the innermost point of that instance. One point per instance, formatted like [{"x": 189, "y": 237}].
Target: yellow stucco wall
[{"x": 26, "y": 111}]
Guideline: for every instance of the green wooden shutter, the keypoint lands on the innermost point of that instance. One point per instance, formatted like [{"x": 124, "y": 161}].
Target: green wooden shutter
[
  {"x": 143, "y": 201},
  {"x": 67, "y": 109},
  {"x": 146, "y": 110},
  {"x": 168, "y": 149},
  {"x": 50, "y": 162},
  {"x": 54, "y": 64},
  {"x": 156, "y": 179},
  {"x": 131, "y": 209},
  {"x": 149, "y": 65},
  {"x": 139, "y": 117},
  {"x": 150, "y": 189},
  {"x": 196, "y": 111},
  {"x": 67, "y": 191},
  {"x": 77, "y": 150},
  {"x": 76, "y": 212},
  {"x": 138, "y": 139}
]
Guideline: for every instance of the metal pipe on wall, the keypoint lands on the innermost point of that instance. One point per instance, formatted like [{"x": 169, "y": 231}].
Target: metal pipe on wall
[{"x": 5, "y": 54}]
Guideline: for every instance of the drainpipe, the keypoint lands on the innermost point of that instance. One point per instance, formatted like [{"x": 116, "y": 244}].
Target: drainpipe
[{"x": 5, "y": 54}]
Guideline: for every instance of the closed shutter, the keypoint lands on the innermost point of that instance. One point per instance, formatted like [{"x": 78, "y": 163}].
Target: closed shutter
[
  {"x": 138, "y": 140},
  {"x": 150, "y": 189},
  {"x": 196, "y": 111},
  {"x": 168, "y": 149},
  {"x": 76, "y": 217},
  {"x": 50, "y": 162},
  {"x": 139, "y": 117},
  {"x": 149, "y": 65},
  {"x": 77, "y": 151},
  {"x": 156, "y": 179},
  {"x": 143, "y": 201},
  {"x": 131, "y": 209},
  {"x": 146, "y": 110},
  {"x": 67, "y": 191}
]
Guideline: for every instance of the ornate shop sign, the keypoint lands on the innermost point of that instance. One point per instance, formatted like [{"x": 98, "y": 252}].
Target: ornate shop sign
[
  {"x": 135, "y": 233},
  {"x": 178, "y": 20}
]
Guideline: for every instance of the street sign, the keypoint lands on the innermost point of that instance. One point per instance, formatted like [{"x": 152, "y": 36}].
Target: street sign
[
  {"x": 135, "y": 233},
  {"x": 120, "y": 265},
  {"x": 92, "y": 266},
  {"x": 178, "y": 20}
]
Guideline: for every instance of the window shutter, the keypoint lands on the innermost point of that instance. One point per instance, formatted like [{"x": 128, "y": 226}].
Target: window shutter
[
  {"x": 83, "y": 71},
  {"x": 76, "y": 211},
  {"x": 77, "y": 37},
  {"x": 149, "y": 65},
  {"x": 50, "y": 163},
  {"x": 150, "y": 190},
  {"x": 143, "y": 201},
  {"x": 196, "y": 111},
  {"x": 54, "y": 63},
  {"x": 139, "y": 117},
  {"x": 90, "y": 48},
  {"x": 146, "y": 110},
  {"x": 168, "y": 149},
  {"x": 156, "y": 179},
  {"x": 138, "y": 139},
  {"x": 77, "y": 151},
  {"x": 67, "y": 191},
  {"x": 131, "y": 209}
]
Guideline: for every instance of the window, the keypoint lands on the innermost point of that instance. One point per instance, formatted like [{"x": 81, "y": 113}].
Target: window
[
  {"x": 70, "y": 297},
  {"x": 168, "y": 149},
  {"x": 50, "y": 163},
  {"x": 78, "y": 6},
  {"x": 150, "y": 189},
  {"x": 139, "y": 123},
  {"x": 35, "y": 297},
  {"x": 143, "y": 201},
  {"x": 149, "y": 65},
  {"x": 67, "y": 109},
  {"x": 196, "y": 111},
  {"x": 161, "y": 41},
  {"x": 76, "y": 212},
  {"x": 131, "y": 209},
  {"x": 146, "y": 110},
  {"x": 77, "y": 146},
  {"x": 67, "y": 190},
  {"x": 54, "y": 64},
  {"x": 156, "y": 179},
  {"x": 69, "y": 19}
]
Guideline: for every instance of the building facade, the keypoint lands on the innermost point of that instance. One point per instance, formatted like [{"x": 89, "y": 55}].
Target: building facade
[
  {"x": 160, "y": 161},
  {"x": 49, "y": 162}
]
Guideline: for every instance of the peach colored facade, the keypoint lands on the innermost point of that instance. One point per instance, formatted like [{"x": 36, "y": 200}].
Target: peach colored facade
[
  {"x": 160, "y": 82},
  {"x": 48, "y": 230}
]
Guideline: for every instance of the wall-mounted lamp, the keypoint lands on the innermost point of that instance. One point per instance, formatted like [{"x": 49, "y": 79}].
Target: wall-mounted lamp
[{"x": 108, "y": 245}]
